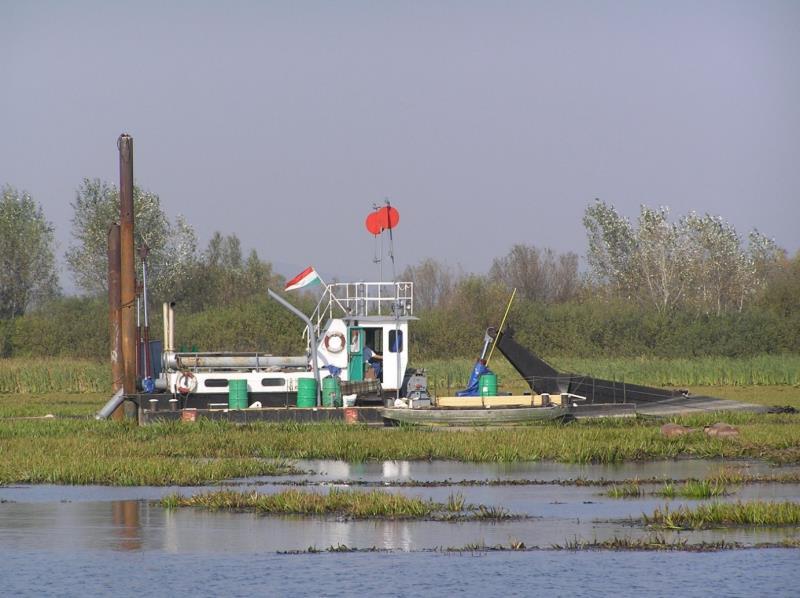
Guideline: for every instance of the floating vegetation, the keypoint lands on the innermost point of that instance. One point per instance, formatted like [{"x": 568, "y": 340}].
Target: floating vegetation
[
  {"x": 338, "y": 548},
  {"x": 650, "y": 543},
  {"x": 354, "y": 504},
  {"x": 720, "y": 514}
]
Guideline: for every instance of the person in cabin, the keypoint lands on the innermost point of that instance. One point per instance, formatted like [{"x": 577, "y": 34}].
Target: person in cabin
[{"x": 374, "y": 359}]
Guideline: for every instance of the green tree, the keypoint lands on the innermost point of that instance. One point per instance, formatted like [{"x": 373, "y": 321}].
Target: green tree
[
  {"x": 27, "y": 265},
  {"x": 172, "y": 243},
  {"x": 698, "y": 261},
  {"x": 222, "y": 276}
]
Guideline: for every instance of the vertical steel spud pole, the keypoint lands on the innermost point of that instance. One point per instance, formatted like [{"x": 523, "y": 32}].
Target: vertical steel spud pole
[{"x": 127, "y": 262}]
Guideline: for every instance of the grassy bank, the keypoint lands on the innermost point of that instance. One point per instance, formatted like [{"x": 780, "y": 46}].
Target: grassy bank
[
  {"x": 59, "y": 404},
  {"x": 74, "y": 451}
]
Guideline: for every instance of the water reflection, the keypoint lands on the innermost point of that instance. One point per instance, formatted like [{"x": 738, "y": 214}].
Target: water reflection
[
  {"x": 68, "y": 518},
  {"x": 142, "y": 526},
  {"x": 125, "y": 518}
]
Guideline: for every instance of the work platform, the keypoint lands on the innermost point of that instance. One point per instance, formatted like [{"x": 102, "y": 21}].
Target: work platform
[{"x": 351, "y": 415}]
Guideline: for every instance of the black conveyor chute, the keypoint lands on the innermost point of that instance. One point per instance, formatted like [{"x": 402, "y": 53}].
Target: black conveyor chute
[{"x": 542, "y": 377}]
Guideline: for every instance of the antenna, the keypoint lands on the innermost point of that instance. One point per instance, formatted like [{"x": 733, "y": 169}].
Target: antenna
[
  {"x": 391, "y": 239},
  {"x": 382, "y": 218}
]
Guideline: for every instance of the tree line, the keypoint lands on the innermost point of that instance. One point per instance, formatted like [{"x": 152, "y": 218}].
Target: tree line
[{"x": 692, "y": 286}]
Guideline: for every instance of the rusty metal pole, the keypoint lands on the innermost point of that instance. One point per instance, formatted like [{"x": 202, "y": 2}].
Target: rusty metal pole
[
  {"x": 127, "y": 262},
  {"x": 114, "y": 314}
]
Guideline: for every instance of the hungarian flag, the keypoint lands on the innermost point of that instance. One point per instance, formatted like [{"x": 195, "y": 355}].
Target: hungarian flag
[{"x": 306, "y": 278}]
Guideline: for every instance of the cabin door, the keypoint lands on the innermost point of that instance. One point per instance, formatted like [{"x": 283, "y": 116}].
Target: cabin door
[
  {"x": 395, "y": 357},
  {"x": 355, "y": 353}
]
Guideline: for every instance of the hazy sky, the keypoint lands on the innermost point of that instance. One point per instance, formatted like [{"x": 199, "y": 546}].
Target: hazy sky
[{"x": 485, "y": 123}]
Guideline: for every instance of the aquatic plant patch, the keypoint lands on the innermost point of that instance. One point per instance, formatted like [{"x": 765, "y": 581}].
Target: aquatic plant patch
[
  {"x": 697, "y": 489},
  {"x": 355, "y": 504},
  {"x": 720, "y": 514}
]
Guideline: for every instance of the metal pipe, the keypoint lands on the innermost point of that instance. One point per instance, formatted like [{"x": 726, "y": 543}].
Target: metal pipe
[
  {"x": 127, "y": 263},
  {"x": 112, "y": 406},
  {"x": 172, "y": 326},
  {"x": 147, "y": 369},
  {"x": 199, "y": 360},
  {"x": 165, "y": 326},
  {"x": 114, "y": 315},
  {"x": 139, "y": 349},
  {"x": 312, "y": 338}
]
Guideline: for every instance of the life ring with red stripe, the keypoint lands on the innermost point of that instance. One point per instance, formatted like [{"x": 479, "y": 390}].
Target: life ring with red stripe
[
  {"x": 334, "y": 342},
  {"x": 187, "y": 383}
]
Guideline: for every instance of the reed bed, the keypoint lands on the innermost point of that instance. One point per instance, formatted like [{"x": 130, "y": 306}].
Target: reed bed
[
  {"x": 447, "y": 376},
  {"x": 46, "y": 375},
  {"x": 719, "y": 514},
  {"x": 355, "y": 504}
]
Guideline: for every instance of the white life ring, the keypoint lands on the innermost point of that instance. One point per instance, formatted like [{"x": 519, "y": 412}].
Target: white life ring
[
  {"x": 334, "y": 342},
  {"x": 186, "y": 384}
]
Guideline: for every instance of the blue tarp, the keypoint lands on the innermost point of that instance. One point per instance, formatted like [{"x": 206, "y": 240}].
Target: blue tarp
[{"x": 472, "y": 386}]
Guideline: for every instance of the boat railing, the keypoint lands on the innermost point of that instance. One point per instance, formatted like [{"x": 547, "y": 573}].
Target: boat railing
[{"x": 362, "y": 299}]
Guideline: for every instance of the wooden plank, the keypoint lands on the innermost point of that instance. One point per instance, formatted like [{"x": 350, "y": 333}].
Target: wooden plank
[
  {"x": 506, "y": 401},
  {"x": 459, "y": 402}
]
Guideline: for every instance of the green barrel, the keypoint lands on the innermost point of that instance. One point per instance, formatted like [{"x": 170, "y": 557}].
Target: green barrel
[
  {"x": 331, "y": 392},
  {"x": 488, "y": 385},
  {"x": 306, "y": 392},
  {"x": 237, "y": 394}
]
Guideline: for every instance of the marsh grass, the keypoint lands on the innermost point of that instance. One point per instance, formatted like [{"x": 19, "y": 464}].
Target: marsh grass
[
  {"x": 60, "y": 404},
  {"x": 626, "y": 490},
  {"x": 720, "y": 514},
  {"x": 697, "y": 489},
  {"x": 355, "y": 504},
  {"x": 83, "y": 451}
]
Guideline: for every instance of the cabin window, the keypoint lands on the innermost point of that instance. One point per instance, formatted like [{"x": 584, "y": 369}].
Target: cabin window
[
  {"x": 395, "y": 341},
  {"x": 273, "y": 381},
  {"x": 216, "y": 383}
]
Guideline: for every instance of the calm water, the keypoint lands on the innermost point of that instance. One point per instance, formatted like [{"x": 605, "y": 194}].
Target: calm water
[
  {"x": 154, "y": 573},
  {"x": 90, "y": 540}
]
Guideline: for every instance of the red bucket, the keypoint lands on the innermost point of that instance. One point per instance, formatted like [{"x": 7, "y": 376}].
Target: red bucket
[{"x": 350, "y": 415}]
